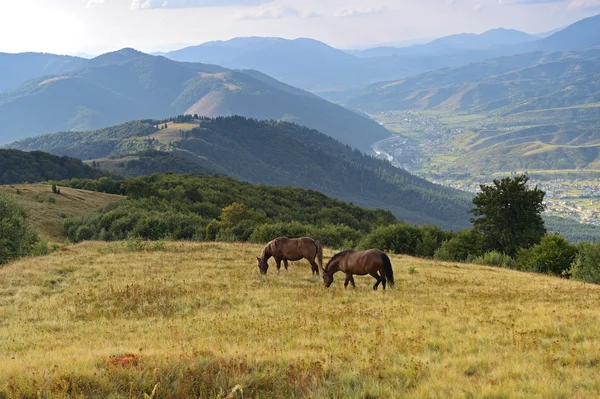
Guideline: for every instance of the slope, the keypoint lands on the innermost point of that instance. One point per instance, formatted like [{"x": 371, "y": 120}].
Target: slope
[
  {"x": 29, "y": 167},
  {"x": 278, "y": 153},
  {"x": 16, "y": 69},
  {"x": 195, "y": 319},
  {"x": 48, "y": 211},
  {"x": 127, "y": 85}
]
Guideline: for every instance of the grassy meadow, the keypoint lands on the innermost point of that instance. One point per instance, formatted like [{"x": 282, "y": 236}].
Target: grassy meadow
[
  {"x": 48, "y": 211},
  {"x": 120, "y": 320}
]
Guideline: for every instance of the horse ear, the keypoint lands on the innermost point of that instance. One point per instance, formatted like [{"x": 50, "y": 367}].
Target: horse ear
[{"x": 258, "y": 258}]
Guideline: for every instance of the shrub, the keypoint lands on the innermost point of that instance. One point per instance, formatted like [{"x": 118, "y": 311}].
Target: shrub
[
  {"x": 552, "y": 255},
  {"x": 586, "y": 266},
  {"x": 495, "y": 258},
  {"x": 464, "y": 246},
  {"x": 339, "y": 237},
  {"x": 267, "y": 232},
  {"x": 398, "y": 238},
  {"x": 17, "y": 239},
  {"x": 83, "y": 233}
]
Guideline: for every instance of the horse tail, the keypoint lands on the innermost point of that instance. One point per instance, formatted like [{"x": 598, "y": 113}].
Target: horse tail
[
  {"x": 319, "y": 256},
  {"x": 387, "y": 269}
]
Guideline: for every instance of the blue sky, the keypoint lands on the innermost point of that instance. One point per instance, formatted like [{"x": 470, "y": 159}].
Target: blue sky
[{"x": 95, "y": 26}]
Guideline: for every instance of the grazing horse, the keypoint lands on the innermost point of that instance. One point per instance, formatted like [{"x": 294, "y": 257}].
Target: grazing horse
[
  {"x": 285, "y": 249},
  {"x": 372, "y": 261}
]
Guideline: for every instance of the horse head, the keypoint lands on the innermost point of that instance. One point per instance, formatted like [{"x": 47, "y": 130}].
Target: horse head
[{"x": 263, "y": 265}]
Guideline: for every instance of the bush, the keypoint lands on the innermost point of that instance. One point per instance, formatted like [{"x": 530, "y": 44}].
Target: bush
[
  {"x": 552, "y": 255},
  {"x": 339, "y": 237},
  {"x": 495, "y": 258},
  {"x": 586, "y": 266},
  {"x": 399, "y": 238},
  {"x": 464, "y": 246},
  {"x": 17, "y": 239},
  {"x": 270, "y": 231}
]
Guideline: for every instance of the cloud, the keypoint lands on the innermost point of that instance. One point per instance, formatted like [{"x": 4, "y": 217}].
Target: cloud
[
  {"x": 530, "y": 1},
  {"x": 94, "y": 3},
  {"x": 478, "y": 7},
  {"x": 571, "y": 4},
  {"x": 576, "y": 4},
  {"x": 359, "y": 12},
  {"x": 275, "y": 12},
  {"x": 147, "y": 4}
]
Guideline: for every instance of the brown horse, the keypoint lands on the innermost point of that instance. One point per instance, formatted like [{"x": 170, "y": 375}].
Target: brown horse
[
  {"x": 372, "y": 261},
  {"x": 285, "y": 249}
]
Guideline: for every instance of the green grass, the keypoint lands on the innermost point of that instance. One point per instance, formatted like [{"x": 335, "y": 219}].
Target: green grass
[{"x": 196, "y": 320}]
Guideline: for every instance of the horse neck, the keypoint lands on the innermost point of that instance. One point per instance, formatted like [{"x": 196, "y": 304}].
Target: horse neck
[
  {"x": 266, "y": 253},
  {"x": 334, "y": 267}
]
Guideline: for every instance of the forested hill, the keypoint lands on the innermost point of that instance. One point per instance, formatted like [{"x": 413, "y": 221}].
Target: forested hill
[
  {"x": 125, "y": 85},
  {"x": 270, "y": 152},
  {"x": 28, "y": 167}
]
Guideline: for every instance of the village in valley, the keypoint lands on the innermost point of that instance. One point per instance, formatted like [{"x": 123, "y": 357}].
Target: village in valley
[{"x": 426, "y": 144}]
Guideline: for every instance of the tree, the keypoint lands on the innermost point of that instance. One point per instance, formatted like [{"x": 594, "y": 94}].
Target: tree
[
  {"x": 508, "y": 215},
  {"x": 16, "y": 237}
]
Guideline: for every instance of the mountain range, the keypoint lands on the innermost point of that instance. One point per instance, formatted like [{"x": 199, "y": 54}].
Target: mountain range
[
  {"x": 315, "y": 66},
  {"x": 124, "y": 85},
  {"x": 266, "y": 152}
]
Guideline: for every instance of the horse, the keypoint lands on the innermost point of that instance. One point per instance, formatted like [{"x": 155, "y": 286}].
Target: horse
[
  {"x": 292, "y": 249},
  {"x": 372, "y": 261}
]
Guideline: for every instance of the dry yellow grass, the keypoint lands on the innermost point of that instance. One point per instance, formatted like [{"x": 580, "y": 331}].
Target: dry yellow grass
[
  {"x": 49, "y": 211},
  {"x": 115, "y": 320}
]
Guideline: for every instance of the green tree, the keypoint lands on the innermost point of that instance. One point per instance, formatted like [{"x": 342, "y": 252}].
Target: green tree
[
  {"x": 508, "y": 215},
  {"x": 17, "y": 239},
  {"x": 553, "y": 255},
  {"x": 586, "y": 266}
]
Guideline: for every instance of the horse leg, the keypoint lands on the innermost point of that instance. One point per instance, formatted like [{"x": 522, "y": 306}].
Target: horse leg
[
  {"x": 376, "y": 277},
  {"x": 348, "y": 278},
  {"x": 278, "y": 262},
  {"x": 285, "y": 264},
  {"x": 383, "y": 281},
  {"x": 315, "y": 267},
  {"x": 352, "y": 281}
]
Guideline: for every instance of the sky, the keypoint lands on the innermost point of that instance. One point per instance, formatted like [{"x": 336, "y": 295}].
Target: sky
[{"x": 96, "y": 26}]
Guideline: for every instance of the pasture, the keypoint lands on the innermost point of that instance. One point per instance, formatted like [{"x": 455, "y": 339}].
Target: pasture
[
  {"x": 48, "y": 211},
  {"x": 189, "y": 320}
]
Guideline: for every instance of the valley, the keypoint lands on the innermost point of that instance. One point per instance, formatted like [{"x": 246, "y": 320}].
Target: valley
[{"x": 446, "y": 149}]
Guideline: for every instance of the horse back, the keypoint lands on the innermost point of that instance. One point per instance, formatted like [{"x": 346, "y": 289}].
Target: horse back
[
  {"x": 293, "y": 248},
  {"x": 362, "y": 262}
]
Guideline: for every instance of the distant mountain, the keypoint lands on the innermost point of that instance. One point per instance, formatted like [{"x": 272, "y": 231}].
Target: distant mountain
[
  {"x": 15, "y": 69},
  {"x": 518, "y": 83},
  {"x": 543, "y": 108},
  {"x": 126, "y": 84},
  {"x": 456, "y": 43},
  {"x": 267, "y": 152},
  {"x": 580, "y": 35},
  {"x": 304, "y": 63},
  {"x": 36, "y": 166}
]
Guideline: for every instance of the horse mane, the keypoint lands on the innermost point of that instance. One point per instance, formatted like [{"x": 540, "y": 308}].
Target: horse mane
[{"x": 337, "y": 256}]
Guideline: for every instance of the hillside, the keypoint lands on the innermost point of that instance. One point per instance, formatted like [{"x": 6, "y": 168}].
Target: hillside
[
  {"x": 48, "y": 211},
  {"x": 16, "y": 69},
  {"x": 127, "y": 84},
  {"x": 275, "y": 153},
  {"x": 196, "y": 319},
  {"x": 31, "y": 167},
  {"x": 580, "y": 35},
  {"x": 511, "y": 84}
]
